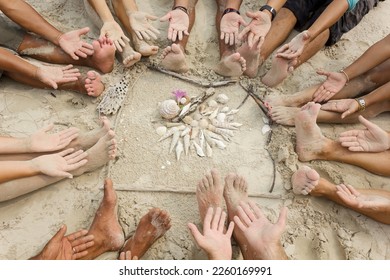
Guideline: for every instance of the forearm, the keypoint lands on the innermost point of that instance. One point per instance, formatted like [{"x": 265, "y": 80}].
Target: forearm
[
  {"x": 101, "y": 8},
  {"x": 14, "y": 64},
  {"x": 273, "y": 252},
  {"x": 380, "y": 95},
  {"x": 130, "y": 6},
  {"x": 233, "y": 4},
  {"x": 276, "y": 4},
  {"x": 12, "y": 145},
  {"x": 27, "y": 17},
  {"x": 329, "y": 17},
  {"x": 11, "y": 170},
  {"x": 183, "y": 3},
  {"x": 372, "y": 57}
]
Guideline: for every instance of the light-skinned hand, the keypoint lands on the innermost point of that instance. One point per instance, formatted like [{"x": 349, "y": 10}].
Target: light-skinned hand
[
  {"x": 179, "y": 23},
  {"x": 344, "y": 106},
  {"x": 230, "y": 26},
  {"x": 334, "y": 82},
  {"x": 257, "y": 29},
  {"x": 140, "y": 23},
  {"x": 72, "y": 44},
  {"x": 296, "y": 46},
  {"x": 53, "y": 75},
  {"x": 112, "y": 30}
]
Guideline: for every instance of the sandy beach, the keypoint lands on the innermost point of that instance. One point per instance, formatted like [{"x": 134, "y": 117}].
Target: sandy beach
[{"x": 146, "y": 175}]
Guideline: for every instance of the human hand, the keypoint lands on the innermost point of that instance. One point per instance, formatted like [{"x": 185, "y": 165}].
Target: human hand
[
  {"x": 72, "y": 44},
  {"x": 127, "y": 256},
  {"x": 295, "y": 48},
  {"x": 53, "y": 75},
  {"x": 178, "y": 24},
  {"x": 59, "y": 164},
  {"x": 260, "y": 233},
  {"x": 41, "y": 141},
  {"x": 230, "y": 25},
  {"x": 214, "y": 241},
  {"x": 351, "y": 197},
  {"x": 371, "y": 139},
  {"x": 334, "y": 83},
  {"x": 71, "y": 247},
  {"x": 140, "y": 23},
  {"x": 112, "y": 30},
  {"x": 257, "y": 29},
  {"x": 344, "y": 106}
]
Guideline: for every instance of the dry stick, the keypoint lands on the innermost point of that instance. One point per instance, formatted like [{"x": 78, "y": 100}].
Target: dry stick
[
  {"x": 264, "y": 109},
  {"x": 191, "y": 80}
]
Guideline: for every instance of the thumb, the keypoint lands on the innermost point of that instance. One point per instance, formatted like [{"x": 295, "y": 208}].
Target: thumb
[
  {"x": 251, "y": 14},
  {"x": 47, "y": 128},
  {"x": 242, "y": 22},
  {"x": 83, "y": 31},
  {"x": 166, "y": 17},
  {"x": 345, "y": 114},
  {"x": 60, "y": 233},
  {"x": 151, "y": 17},
  {"x": 369, "y": 125},
  {"x": 323, "y": 72},
  {"x": 195, "y": 232},
  {"x": 51, "y": 83}
]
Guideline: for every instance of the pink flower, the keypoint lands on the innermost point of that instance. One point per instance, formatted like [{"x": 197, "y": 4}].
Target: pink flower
[{"x": 179, "y": 94}]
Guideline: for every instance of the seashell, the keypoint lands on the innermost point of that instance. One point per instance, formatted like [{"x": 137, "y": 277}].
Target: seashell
[
  {"x": 229, "y": 119},
  {"x": 265, "y": 129},
  {"x": 214, "y": 114},
  {"x": 232, "y": 112},
  {"x": 210, "y": 91},
  {"x": 187, "y": 120},
  {"x": 236, "y": 124},
  {"x": 202, "y": 108},
  {"x": 201, "y": 138},
  {"x": 213, "y": 135},
  {"x": 161, "y": 130},
  {"x": 224, "y": 110},
  {"x": 185, "y": 131},
  {"x": 212, "y": 103},
  {"x": 175, "y": 139},
  {"x": 220, "y": 131},
  {"x": 179, "y": 149},
  {"x": 197, "y": 116},
  {"x": 265, "y": 120},
  {"x": 221, "y": 117},
  {"x": 186, "y": 141},
  {"x": 194, "y": 123},
  {"x": 169, "y": 109},
  {"x": 203, "y": 123},
  {"x": 222, "y": 98},
  {"x": 168, "y": 134},
  {"x": 181, "y": 127},
  {"x": 208, "y": 139},
  {"x": 185, "y": 110},
  {"x": 220, "y": 144},
  {"x": 194, "y": 132},
  {"x": 208, "y": 111},
  {"x": 209, "y": 150},
  {"x": 223, "y": 125},
  {"x": 184, "y": 100},
  {"x": 199, "y": 150}
]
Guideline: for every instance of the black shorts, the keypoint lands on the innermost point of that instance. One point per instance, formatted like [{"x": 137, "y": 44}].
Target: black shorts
[{"x": 308, "y": 11}]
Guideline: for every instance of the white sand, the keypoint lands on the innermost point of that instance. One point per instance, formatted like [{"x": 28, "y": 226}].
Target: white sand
[{"x": 317, "y": 228}]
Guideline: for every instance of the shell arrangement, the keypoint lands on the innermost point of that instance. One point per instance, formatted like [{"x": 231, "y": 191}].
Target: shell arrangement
[{"x": 210, "y": 126}]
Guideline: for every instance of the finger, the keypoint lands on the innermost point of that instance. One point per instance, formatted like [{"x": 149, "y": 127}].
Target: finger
[
  {"x": 174, "y": 35},
  {"x": 73, "y": 155},
  {"x": 67, "y": 67},
  {"x": 66, "y": 152},
  {"x": 75, "y": 235},
  {"x": 250, "y": 39},
  {"x": 346, "y": 114},
  {"x": 195, "y": 232},
  {"x": 232, "y": 39},
  {"x": 221, "y": 224},
  {"x": 145, "y": 35},
  {"x": 230, "y": 229},
  {"x": 139, "y": 35},
  {"x": 79, "y": 255},
  {"x": 356, "y": 149},
  {"x": 282, "y": 49},
  {"x": 75, "y": 166},
  {"x": 84, "y": 246},
  {"x": 249, "y": 212},
  {"x": 180, "y": 34},
  {"x": 87, "y": 51},
  {"x": 170, "y": 33},
  {"x": 350, "y": 133},
  {"x": 227, "y": 38},
  {"x": 261, "y": 42},
  {"x": 151, "y": 34},
  {"x": 242, "y": 22},
  {"x": 239, "y": 223},
  {"x": 88, "y": 46},
  {"x": 78, "y": 156},
  {"x": 166, "y": 17},
  {"x": 352, "y": 190},
  {"x": 243, "y": 216},
  {"x": 208, "y": 218},
  {"x": 121, "y": 42},
  {"x": 71, "y": 132},
  {"x": 155, "y": 30},
  {"x": 117, "y": 46},
  {"x": 369, "y": 125},
  {"x": 151, "y": 17},
  {"x": 282, "y": 218},
  {"x": 323, "y": 73},
  {"x": 60, "y": 233},
  {"x": 47, "y": 128},
  {"x": 257, "y": 210},
  {"x": 216, "y": 218},
  {"x": 244, "y": 32},
  {"x": 83, "y": 31},
  {"x": 122, "y": 256}
]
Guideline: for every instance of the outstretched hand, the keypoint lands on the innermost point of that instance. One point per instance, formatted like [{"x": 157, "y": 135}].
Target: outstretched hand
[
  {"x": 214, "y": 241},
  {"x": 60, "y": 164},
  {"x": 112, "y": 30},
  {"x": 41, "y": 141},
  {"x": 260, "y": 232},
  {"x": 72, "y": 44},
  {"x": 179, "y": 23},
  {"x": 140, "y": 23},
  {"x": 230, "y": 26},
  {"x": 344, "y": 106},
  {"x": 257, "y": 29},
  {"x": 295, "y": 48},
  {"x": 371, "y": 139},
  {"x": 71, "y": 247},
  {"x": 334, "y": 83},
  {"x": 53, "y": 75}
]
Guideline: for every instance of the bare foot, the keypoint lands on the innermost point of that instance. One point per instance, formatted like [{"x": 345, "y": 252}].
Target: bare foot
[
  {"x": 129, "y": 56},
  {"x": 251, "y": 56},
  {"x": 151, "y": 227},
  {"x": 236, "y": 190},
  {"x": 103, "y": 56},
  {"x": 231, "y": 65},
  {"x": 304, "y": 180},
  {"x": 93, "y": 84},
  {"x": 173, "y": 59},
  {"x": 279, "y": 71},
  {"x": 209, "y": 192},
  {"x": 144, "y": 48},
  {"x": 99, "y": 154},
  {"x": 88, "y": 139},
  {"x": 283, "y": 115},
  {"x": 108, "y": 234},
  {"x": 311, "y": 144}
]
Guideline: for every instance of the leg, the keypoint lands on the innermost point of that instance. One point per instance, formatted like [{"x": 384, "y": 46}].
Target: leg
[
  {"x": 311, "y": 145},
  {"x": 173, "y": 57},
  {"x": 151, "y": 227},
  {"x": 307, "y": 181}
]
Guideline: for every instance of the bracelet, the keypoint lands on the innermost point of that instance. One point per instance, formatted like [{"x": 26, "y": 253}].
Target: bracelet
[
  {"x": 269, "y": 9},
  {"x": 230, "y": 10},
  {"x": 345, "y": 74},
  {"x": 184, "y": 9},
  {"x": 362, "y": 104}
]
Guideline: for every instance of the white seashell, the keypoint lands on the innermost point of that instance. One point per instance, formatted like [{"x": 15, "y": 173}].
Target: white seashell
[
  {"x": 185, "y": 110},
  {"x": 210, "y": 91},
  {"x": 181, "y": 127},
  {"x": 221, "y": 117},
  {"x": 232, "y": 112},
  {"x": 194, "y": 132},
  {"x": 208, "y": 139},
  {"x": 194, "y": 123},
  {"x": 220, "y": 131},
  {"x": 161, "y": 130},
  {"x": 186, "y": 141},
  {"x": 214, "y": 114},
  {"x": 197, "y": 116},
  {"x": 199, "y": 150},
  {"x": 220, "y": 144},
  {"x": 236, "y": 124},
  {"x": 179, "y": 149},
  {"x": 201, "y": 138},
  {"x": 225, "y": 110},
  {"x": 209, "y": 150},
  {"x": 222, "y": 98},
  {"x": 265, "y": 129},
  {"x": 229, "y": 119},
  {"x": 265, "y": 120},
  {"x": 175, "y": 139},
  {"x": 172, "y": 124},
  {"x": 183, "y": 100},
  {"x": 203, "y": 123},
  {"x": 202, "y": 108},
  {"x": 214, "y": 135},
  {"x": 212, "y": 103},
  {"x": 185, "y": 131},
  {"x": 223, "y": 125},
  {"x": 169, "y": 109},
  {"x": 168, "y": 134},
  {"x": 187, "y": 120}
]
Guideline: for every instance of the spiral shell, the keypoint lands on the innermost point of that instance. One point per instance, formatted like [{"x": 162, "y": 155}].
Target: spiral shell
[{"x": 169, "y": 109}]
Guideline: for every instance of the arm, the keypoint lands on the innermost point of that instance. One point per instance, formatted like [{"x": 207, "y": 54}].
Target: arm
[{"x": 231, "y": 22}]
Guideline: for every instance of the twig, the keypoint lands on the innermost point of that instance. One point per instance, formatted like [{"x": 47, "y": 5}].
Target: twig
[{"x": 191, "y": 80}]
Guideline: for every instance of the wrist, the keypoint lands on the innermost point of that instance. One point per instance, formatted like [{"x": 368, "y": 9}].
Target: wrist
[
  {"x": 273, "y": 252},
  {"x": 230, "y": 10},
  {"x": 182, "y": 8},
  {"x": 34, "y": 168},
  {"x": 346, "y": 76},
  {"x": 361, "y": 103},
  {"x": 268, "y": 10}
]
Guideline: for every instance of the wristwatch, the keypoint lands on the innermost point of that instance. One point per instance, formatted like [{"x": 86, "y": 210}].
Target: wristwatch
[
  {"x": 269, "y": 9},
  {"x": 362, "y": 104}
]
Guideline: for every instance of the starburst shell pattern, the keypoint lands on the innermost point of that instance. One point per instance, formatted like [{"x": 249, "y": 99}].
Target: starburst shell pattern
[{"x": 205, "y": 129}]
